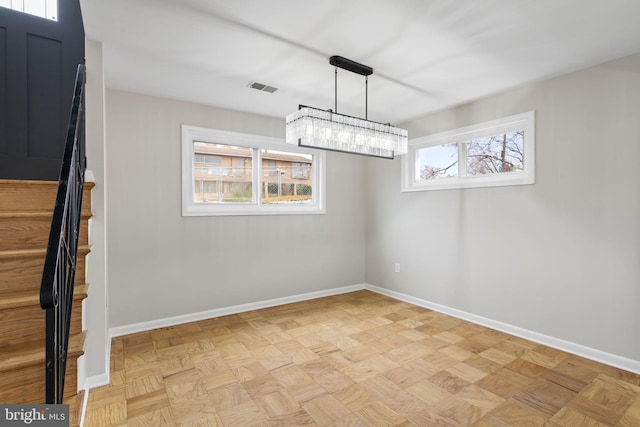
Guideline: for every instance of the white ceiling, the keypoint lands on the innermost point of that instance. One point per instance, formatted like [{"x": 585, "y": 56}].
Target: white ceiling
[{"x": 427, "y": 54}]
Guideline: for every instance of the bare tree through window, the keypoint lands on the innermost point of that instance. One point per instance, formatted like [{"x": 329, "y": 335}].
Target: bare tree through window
[
  {"x": 439, "y": 161},
  {"x": 489, "y": 155},
  {"x": 496, "y": 154}
]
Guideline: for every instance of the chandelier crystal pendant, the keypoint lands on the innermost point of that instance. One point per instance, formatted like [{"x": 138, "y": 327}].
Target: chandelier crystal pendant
[{"x": 328, "y": 130}]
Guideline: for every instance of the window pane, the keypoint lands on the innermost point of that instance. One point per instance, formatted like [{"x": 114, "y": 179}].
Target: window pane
[
  {"x": 440, "y": 161},
  {"x": 287, "y": 178},
  {"x": 496, "y": 154},
  {"x": 222, "y": 173},
  {"x": 243, "y": 174}
]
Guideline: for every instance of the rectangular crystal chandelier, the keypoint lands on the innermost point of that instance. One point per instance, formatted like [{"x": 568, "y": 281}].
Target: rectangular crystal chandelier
[
  {"x": 324, "y": 129},
  {"x": 328, "y": 130}
]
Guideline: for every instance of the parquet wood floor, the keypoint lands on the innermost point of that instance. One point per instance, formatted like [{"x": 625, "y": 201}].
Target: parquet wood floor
[{"x": 357, "y": 359}]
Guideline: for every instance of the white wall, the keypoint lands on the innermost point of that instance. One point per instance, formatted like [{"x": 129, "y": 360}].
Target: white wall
[
  {"x": 96, "y": 363},
  {"x": 162, "y": 264},
  {"x": 560, "y": 257}
]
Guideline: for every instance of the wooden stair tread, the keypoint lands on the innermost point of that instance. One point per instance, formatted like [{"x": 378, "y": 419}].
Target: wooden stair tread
[
  {"x": 26, "y": 214},
  {"x": 36, "y": 215},
  {"x": 37, "y": 183},
  {"x": 31, "y": 229},
  {"x": 34, "y": 253},
  {"x": 25, "y": 298},
  {"x": 32, "y": 352},
  {"x": 33, "y": 196},
  {"x": 29, "y": 182}
]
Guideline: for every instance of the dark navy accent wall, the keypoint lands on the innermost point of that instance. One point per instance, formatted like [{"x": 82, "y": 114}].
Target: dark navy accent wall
[{"x": 38, "y": 60}]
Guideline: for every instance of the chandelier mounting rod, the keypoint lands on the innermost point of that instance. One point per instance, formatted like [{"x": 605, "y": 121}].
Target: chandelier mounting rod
[{"x": 354, "y": 67}]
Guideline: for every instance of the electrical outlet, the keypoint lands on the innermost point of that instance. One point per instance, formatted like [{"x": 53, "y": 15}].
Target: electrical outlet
[{"x": 397, "y": 267}]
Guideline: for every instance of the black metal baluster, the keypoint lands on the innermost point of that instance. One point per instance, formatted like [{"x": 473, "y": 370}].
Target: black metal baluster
[{"x": 56, "y": 290}]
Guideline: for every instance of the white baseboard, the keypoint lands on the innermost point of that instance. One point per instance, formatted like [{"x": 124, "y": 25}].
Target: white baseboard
[
  {"x": 83, "y": 413},
  {"x": 570, "y": 347},
  {"x": 96, "y": 381},
  {"x": 202, "y": 315}
]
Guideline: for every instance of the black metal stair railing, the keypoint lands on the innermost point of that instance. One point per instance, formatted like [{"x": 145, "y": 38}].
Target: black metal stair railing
[{"x": 56, "y": 290}]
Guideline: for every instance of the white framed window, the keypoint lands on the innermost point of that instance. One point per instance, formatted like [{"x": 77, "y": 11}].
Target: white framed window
[
  {"x": 495, "y": 153},
  {"x": 230, "y": 173}
]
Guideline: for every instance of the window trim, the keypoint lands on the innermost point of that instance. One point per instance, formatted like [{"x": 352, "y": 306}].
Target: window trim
[
  {"x": 191, "y": 134},
  {"x": 410, "y": 164}
]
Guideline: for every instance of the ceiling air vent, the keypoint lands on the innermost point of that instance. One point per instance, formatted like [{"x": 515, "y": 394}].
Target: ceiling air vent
[{"x": 262, "y": 87}]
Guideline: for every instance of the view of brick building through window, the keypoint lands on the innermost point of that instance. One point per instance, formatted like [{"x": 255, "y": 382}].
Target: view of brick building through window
[{"x": 224, "y": 174}]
